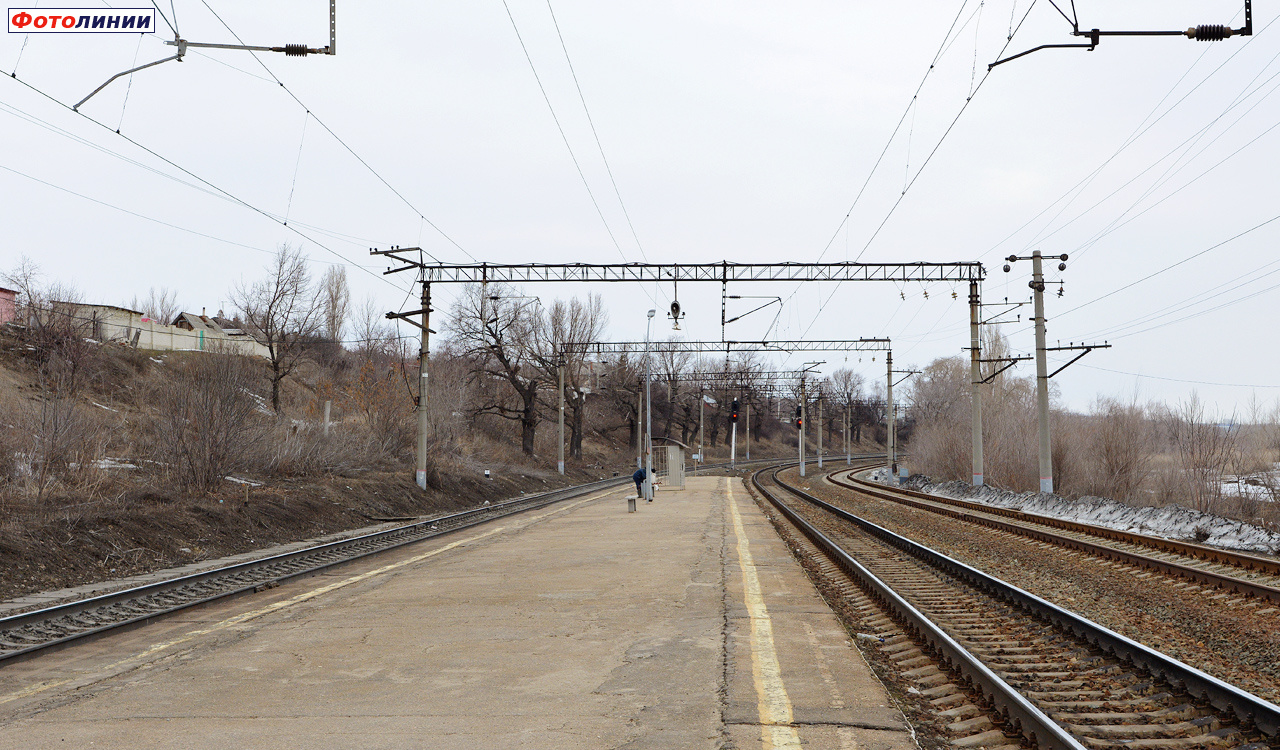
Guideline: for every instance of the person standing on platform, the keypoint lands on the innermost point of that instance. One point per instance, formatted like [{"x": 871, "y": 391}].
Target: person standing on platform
[{"x": 639, "y": 478}]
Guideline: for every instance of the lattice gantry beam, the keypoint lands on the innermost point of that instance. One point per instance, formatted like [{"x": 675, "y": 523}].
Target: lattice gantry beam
[
  {"x": 720, "y": 347},
  {"x": 724, "y": 272}
]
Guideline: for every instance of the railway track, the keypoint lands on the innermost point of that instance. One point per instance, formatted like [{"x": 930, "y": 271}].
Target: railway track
[
  {"x": 28, "y": 632},
  {"x": 1000, "y": 665},
  {"x": 1244, "y": 574}
]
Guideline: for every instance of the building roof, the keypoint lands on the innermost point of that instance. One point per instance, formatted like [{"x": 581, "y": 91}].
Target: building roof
[{"x": 98, "y": 306}]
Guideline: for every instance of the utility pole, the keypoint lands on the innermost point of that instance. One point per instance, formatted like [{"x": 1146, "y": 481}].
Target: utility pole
[
  {"x": 975, "y": 378},
  {"x": 1042, "y": 361},
  {"x": 560, "y": 444},
  {"x": 424, "y": 392},
  {"x": 702, "y": 402},
  {"x": 800, "y": 426},
  {"x": 848, "y": 438},
  {"x": 639, "y": 425},
  {"x": 1042, "y": 375},
  {"x": 748, "y": 430},
  {"x": 648, "y": 416},
  {"x": 890, "y": 441},
  {"x": 820, "y": 429}
]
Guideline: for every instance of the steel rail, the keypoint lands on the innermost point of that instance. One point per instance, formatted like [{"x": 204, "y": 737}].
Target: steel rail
[
  {"x": 83, "y": 618},
  {"x": 1250, "y": 710},
  {"x": 79, "y": 611},
  {"x": 1021, "y": 713},
  {"x": 931, "y": 503}
]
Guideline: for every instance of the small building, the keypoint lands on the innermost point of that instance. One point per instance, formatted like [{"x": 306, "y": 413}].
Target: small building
[
  {"x": 188, "y": 332},
  {"x": 8, "y": 305}
]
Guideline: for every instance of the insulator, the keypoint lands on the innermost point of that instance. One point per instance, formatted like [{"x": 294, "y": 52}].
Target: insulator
[
  {"x": 295, "y": 50},
  {"x": 1210, "y": 33}
]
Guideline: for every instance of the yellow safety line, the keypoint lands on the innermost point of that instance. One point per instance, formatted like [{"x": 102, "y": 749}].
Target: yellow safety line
[
  {"x": 277, "y": 606},
  {"x": 774, "y": 704}
]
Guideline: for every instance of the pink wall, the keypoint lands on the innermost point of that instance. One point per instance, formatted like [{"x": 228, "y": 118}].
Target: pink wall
[{"x": 8, "y": 305}]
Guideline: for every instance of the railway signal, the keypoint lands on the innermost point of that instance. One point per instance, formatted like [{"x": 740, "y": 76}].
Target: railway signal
[{"x": 733, "y": 412}]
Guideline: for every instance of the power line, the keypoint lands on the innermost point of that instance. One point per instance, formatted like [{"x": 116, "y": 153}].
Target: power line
[
  {"x": 1133, "y": 137},
  {"x": 1179, "y": 380},
  {"x": 144, "y": 216},
  {"x": 595, "y": 134},
  {"x": 560, "y": 128},
  {"x": 343, "y": 143},
  {"x": 202, "y": 180},
  {"x": 910, "y": 105},
  {"x": 1172, "y": 266}
]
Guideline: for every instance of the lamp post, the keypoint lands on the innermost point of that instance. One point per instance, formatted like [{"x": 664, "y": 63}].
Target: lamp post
[{"x": 648, "y": 415}]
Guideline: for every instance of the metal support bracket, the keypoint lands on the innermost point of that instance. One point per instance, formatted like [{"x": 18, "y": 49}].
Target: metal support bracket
[
  {"x": 1201, "y": 33},
  {"x": 1082, "y": 348},
  {"x": 1010, "y": 362}
]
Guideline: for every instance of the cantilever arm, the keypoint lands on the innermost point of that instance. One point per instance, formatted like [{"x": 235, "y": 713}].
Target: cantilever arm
[
  {"x": 182, "y": 50},
  {"x": 1090, "y": 47}
]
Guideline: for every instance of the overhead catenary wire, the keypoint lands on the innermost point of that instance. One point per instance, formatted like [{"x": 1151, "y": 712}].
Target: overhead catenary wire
[
  {"x": 1139, "y": 131},
  {"x": 1179, "y": 380},
  {"x": 563, "y": 136},
  {"x": 344, "y": 144},
  {"x": 595, "y": 134},
  {"x": 152, "y": 219},
  {"x": 950, "y": 127},
  {"x": 234, "y": 198}
]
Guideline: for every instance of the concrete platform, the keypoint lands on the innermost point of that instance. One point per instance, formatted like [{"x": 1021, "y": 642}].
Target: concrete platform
[{"x": 684, "y": 625}]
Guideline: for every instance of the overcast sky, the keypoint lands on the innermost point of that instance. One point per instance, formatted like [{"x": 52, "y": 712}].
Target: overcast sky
[{"x": 740, "y": 131}]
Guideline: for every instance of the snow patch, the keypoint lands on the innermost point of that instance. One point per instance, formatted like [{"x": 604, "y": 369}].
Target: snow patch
[{"x": 1170, "y": 522}]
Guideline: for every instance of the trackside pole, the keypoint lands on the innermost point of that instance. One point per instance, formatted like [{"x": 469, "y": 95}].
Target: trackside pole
[
  {"x": 890, "y": 441},
  {"x": 748, "y": 433},
  {"x": 423, "y": 391},
  {"x": 560, "y": 461},
  {"x": 975, "y": 377},
  {"x": 1042, "y": 375},
  {"x": 733, "y": 446},
  {"x": 819, "y": 431},
  {"x": 800, "y": 431}
]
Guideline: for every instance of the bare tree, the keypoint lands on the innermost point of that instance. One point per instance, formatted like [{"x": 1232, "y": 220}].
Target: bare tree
[
  {"x": 1205, "y": 448},
  {"x": 161, "y": 305},
  {"x": 283, "y": 311},
  {"x": 373, "y": 338},
  {"x": 336, "y": 298},
  {"x": 573, "y": 322},
  {"x": 209, "y": 423},
  {"x": 498, "y": 332}
]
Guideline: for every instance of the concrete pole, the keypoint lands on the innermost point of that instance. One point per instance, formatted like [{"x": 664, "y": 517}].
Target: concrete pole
[
  {"x": 1042, "y": 376},
  {"x": 560, "y": 443},
  {"x": 648, "y": 417},
  {"x": 848, "y": 438},
  {"x": 891, "y": 448},
  {"x": 702, "y": 402},
  {"x": 733, "y": 445},
  {"x": 424, "y": 392},
  {"x": 800, "y": 439},
  {"x": 328, "y": 405},
  {"x": 748, "y": 405},
  {"x": 820, "y": 429},
  {"x": 975, "y": 377},
  {"x": 639, "y": 427}
]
